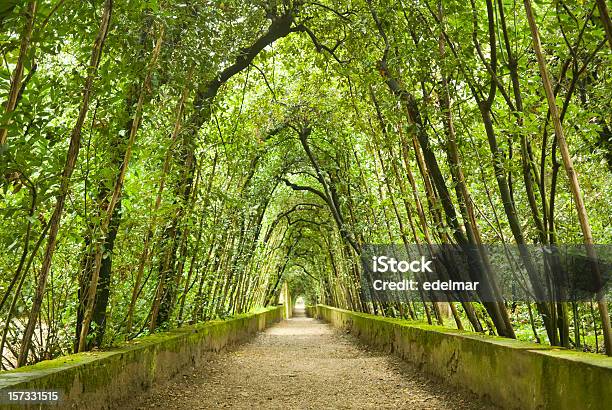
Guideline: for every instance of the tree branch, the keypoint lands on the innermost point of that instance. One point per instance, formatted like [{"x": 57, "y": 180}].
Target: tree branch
[{"x": 296, "y": 187}]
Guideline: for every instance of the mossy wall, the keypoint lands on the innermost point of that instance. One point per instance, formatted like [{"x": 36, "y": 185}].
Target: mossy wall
[
  {"x": 98, "y": 380},
  {"x": 509, "y": 373},
  {"x": 311, "y": 311}
]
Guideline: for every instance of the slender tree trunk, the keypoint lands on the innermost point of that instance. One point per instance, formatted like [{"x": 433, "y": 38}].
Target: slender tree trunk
[
  {"x": 198, "y": 241},
  {"x": 26, "y": 246},
  {"x": 170, "y": 242},
  {"x": 146, "y": 254},
  {"x": 104, "y": 282},
  {"x": 90, "y": 296},
  {"x": 585, "y": 226},
  {"x": 604, "y": 15},
  {"x": 525, "y": 157},
  {"x": 485, "y": 104},
  {"x": 71, "y": 158},
  {"x": 15, "y": 86},
  {"x": 465, "y": 204},
  {"x": 17, "y": 292}
]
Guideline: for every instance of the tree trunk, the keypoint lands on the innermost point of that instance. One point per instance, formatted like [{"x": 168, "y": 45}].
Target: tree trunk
[
  {"x": 90, "y": 296},
  {"x": 146, "y": 254},
  {"x": 568, "y": 164},
  {"x": 15, "y": 86},
  {"x": 604, "y": 15},
  {"x": 71, "y": 158}
]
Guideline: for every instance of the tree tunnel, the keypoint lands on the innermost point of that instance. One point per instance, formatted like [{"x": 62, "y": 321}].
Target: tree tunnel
[{"x": 169, "y": 163}]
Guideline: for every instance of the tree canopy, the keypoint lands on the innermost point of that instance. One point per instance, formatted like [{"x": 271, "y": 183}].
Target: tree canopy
[{"x": 170, "y": 162}]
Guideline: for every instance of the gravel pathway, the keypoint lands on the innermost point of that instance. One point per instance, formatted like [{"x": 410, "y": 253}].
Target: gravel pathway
[{"x": 302, "y": 363}]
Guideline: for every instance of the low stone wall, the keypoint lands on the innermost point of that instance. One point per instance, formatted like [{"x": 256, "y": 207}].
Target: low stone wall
[
  {"x": 97, "y": 380},
  {"x": 509, "y": 373},
  {"x": 311, "y": 311}
]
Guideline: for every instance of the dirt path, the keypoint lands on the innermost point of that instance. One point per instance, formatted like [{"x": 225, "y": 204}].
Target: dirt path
[{"x": 302, "y": 363}]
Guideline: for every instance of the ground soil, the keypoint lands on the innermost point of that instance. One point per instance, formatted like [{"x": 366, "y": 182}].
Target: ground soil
[{"x": 302, "y": 363}]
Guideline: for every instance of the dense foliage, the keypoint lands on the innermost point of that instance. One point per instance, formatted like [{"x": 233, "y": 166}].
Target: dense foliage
[{"x": 170, "y": 162}]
